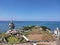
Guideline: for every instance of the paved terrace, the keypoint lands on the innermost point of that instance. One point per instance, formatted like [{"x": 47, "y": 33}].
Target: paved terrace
[{"x": 45, "y": 43}]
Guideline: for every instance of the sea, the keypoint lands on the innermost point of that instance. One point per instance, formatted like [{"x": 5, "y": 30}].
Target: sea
[{"x": 19, "y": 24}]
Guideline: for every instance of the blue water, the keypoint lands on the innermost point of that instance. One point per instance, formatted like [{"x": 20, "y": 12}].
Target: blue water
[{"x": 18, "y": 24}]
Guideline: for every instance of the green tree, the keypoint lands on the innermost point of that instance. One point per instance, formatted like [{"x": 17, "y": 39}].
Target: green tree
[{"x": 44, "y": 28}]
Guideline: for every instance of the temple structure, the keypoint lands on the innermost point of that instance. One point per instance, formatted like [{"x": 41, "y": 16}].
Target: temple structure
[
  {"x": 12, "y": 29},
  {"x": 11, "y": 25}
]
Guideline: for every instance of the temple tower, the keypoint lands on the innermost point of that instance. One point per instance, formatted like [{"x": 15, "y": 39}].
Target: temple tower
[{"x": 11, "y": 25}]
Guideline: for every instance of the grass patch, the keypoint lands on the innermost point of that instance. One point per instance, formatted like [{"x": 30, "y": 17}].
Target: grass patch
[
  {"x": 23, "y": 40},
  {"x": 13, "y": 39},
  {"x": 26, "y": 33}
]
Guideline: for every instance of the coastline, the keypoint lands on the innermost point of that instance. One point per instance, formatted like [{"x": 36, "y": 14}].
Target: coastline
[{"x": 51, "y": 24}]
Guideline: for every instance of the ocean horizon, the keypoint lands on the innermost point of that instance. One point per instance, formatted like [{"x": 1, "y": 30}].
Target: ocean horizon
[{"x": 18, "y": 24}]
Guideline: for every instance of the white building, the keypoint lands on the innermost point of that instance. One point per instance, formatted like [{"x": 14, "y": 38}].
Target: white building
[{"x": 57, "y": 32}]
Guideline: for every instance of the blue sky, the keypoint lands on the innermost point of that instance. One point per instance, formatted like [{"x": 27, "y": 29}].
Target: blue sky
[{"x": 30, "y": 10}]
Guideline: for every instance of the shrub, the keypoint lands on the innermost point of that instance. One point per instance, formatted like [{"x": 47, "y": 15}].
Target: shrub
[{"x": 13, "y": 39}]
